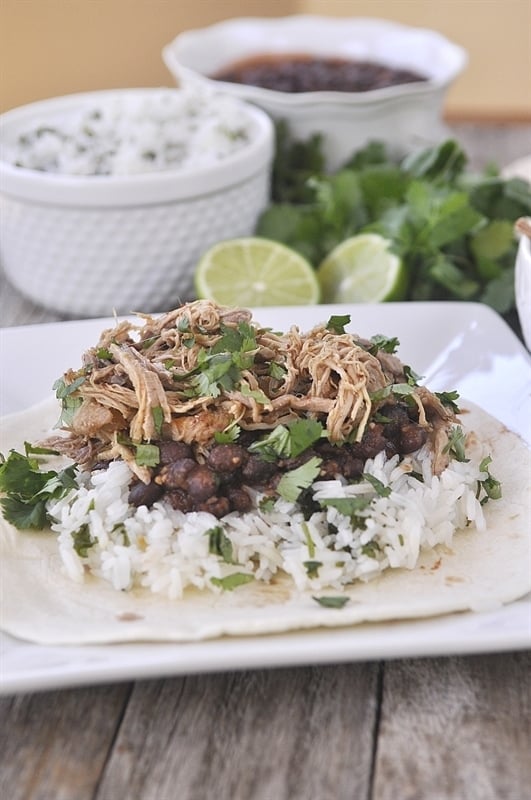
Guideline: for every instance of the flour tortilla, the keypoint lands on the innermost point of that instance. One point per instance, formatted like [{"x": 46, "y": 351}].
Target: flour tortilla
[{"x": 483, "y": 570}]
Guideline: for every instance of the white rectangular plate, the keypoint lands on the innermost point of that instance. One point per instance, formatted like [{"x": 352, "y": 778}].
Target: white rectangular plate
[{"x": 463, "y": 346}]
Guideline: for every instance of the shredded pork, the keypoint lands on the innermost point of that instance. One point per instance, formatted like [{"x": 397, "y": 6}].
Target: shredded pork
[{"x": 165, "y": 380}]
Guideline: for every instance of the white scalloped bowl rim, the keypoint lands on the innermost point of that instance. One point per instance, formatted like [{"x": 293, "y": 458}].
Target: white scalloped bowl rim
[
  {"x": 197, "y": 54},
  {"x": 147, "y": 188}
]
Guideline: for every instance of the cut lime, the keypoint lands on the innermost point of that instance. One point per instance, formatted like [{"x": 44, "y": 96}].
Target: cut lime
[
  {"x": 255, "y": 272},
  {"x": 362, "y": 269}
]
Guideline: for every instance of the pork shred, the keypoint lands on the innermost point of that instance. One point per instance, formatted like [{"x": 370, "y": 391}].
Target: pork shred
[{"x": 163, "y": 380}]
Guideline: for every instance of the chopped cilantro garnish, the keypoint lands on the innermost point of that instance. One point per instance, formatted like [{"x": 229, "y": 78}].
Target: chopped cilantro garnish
[
  {"x": 275, "y": 445},
  {"x": 381, "y": 489},
  {"x": 312, "y": 568},
  {"x": 230, "y": 582},
  {"x": 456, "y": 444},
  {"x": 449, "y": 399},
  {"x": 387, "y": 345},
  {"x": 293, "y": 482},
  {"x": 256, "y": 394},
  {"x": 370, "y": 549},
  {"x": 219, "y": 544},
  {"x": 348, "y": 506},
  {"x": 267, "y": 504},
  {"x": 337, "y": 322},
  {"x": 69, "y": 404},
  {"x": 309, "y": 541},
  {"x": 277, "y": 371},
  {"x": 303, "y": 433},
  {"x": 331, "y": 601},
  {"x": 411, "y": 377},
  {"x": 491, "y": 486},
  {"x": 104, "y": 354},
  {"x": 288, "y": 441},
  {"x": 147, "y": 455},
  {"x": 28, "y": 489},
  {"x": 158, "y": 417},
  {"x": 228, "y": 435},
  {"x": 82, "y": 541}
]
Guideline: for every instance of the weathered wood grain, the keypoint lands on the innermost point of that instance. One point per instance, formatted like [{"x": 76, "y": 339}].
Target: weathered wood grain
[
  {"x": 497, "y": 144},
  {"x": 455, "y": 728},
  {"x": 53, "y": 746},
  {"x": 266, "y": 735}
]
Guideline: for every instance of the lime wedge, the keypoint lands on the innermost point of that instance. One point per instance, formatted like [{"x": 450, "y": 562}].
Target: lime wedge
[
  {"x": 255, "y": 272},
  {"x": 362, "y": 269}
]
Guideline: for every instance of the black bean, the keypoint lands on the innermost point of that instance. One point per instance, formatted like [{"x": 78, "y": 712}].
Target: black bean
[
  {"x": 330, "y": 468},
  {"x": 257, "y": 471},
  {"x": 175, "y": 474},
  {"x": 239, "y": 499},
  {"x": 372, "y": 443},
  {"x": 201, "y": 483},
  {"x": 179, "y": 500},
  {"x": 227, "y": 457},
  {"x": 144, "y": 494},
  {"x": 352, "y": 467},
  {"x": 216, "y": 505},
  {"x": 412, "y": 437},
  {"x": 396, "y": 412},
  {"x": 173, "y": 451}
]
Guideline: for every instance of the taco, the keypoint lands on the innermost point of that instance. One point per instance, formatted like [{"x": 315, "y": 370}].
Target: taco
[{"x": 211, "y": 476}]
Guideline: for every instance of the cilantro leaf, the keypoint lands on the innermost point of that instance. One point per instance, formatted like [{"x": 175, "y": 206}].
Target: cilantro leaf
[
  {"x": 293, "y": 482},
  {"x": 449, "y": 399},
  {"x": 28, "y": 489},
  {"x": 331, "y": 601},
  {"x": 384, "y": 343},
  {"x": 490, "y": 485},
  {"x": 228, "y": 435},
  {"x": 455, "y": 446},
  {"x": 147, "y": 455},
  {"x": 451, "y": 228},
  {"x": 380, "y": 488},
  {"x": 348, "y": 506},
  {"x": 230, "y": 582},
  {"x": 302, "y": 434},
  {"x": 312, "y": 568},
  {"x": 337, "y": 323},
  {"x": 219, "y": 544}
]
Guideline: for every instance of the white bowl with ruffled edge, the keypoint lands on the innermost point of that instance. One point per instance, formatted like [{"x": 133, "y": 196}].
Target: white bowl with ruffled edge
[
  {"x": 523, "y": 283},
  {"x": 405, "y": 117},
  {"x": 91, "y": 245}
]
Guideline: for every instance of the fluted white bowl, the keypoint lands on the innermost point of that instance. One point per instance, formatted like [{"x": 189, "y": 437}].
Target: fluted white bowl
[
  {"x": 90, "y": 245},
  {"x": 404, "y": 117},
  {"x": 523, "y": 286}
]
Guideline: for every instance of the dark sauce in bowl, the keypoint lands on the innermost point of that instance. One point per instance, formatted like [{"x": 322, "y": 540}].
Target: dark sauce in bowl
[{"x": 304, "y": 73}]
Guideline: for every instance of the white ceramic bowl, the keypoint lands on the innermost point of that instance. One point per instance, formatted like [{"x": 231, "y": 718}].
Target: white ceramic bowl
[
  {"x": 523, "y": 285},
  {"x": 404, "y": 117},
  {"x": 88, "y": 245}
]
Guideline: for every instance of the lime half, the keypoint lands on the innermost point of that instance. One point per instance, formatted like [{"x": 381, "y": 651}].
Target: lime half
[
  {"x": 362, "y": 269},
  {"x": 255, "y": 272}
]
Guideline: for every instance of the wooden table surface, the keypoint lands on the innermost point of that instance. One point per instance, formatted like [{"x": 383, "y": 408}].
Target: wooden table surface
[{"x": 405, "y": 729}]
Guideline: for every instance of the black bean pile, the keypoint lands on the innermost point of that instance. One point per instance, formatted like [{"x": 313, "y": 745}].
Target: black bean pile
[
  {"x": 217, "y": 483},
  {"x": 307, "y": 74}
]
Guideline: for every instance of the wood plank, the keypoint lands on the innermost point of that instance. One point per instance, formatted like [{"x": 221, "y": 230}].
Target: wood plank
[
  {"x": 53, "y": 746},
  {"x": 492, "y": 144},
  {"x": 282, "y": 734},
  {"x": 455, "y": 728}
]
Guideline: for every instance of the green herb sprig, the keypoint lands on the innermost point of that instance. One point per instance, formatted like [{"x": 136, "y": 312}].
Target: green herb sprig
[{"x": 452, "y": 228}]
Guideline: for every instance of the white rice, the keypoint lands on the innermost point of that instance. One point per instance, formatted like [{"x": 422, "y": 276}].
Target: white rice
[
  {"x": 135, "y": 133},
  {"x": 166, "y": 550}
]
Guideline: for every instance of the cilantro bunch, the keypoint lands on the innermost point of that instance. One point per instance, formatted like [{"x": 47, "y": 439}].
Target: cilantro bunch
[
  {"x": 28, "y": 489},
  {"x": 453, "y": 229}
]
